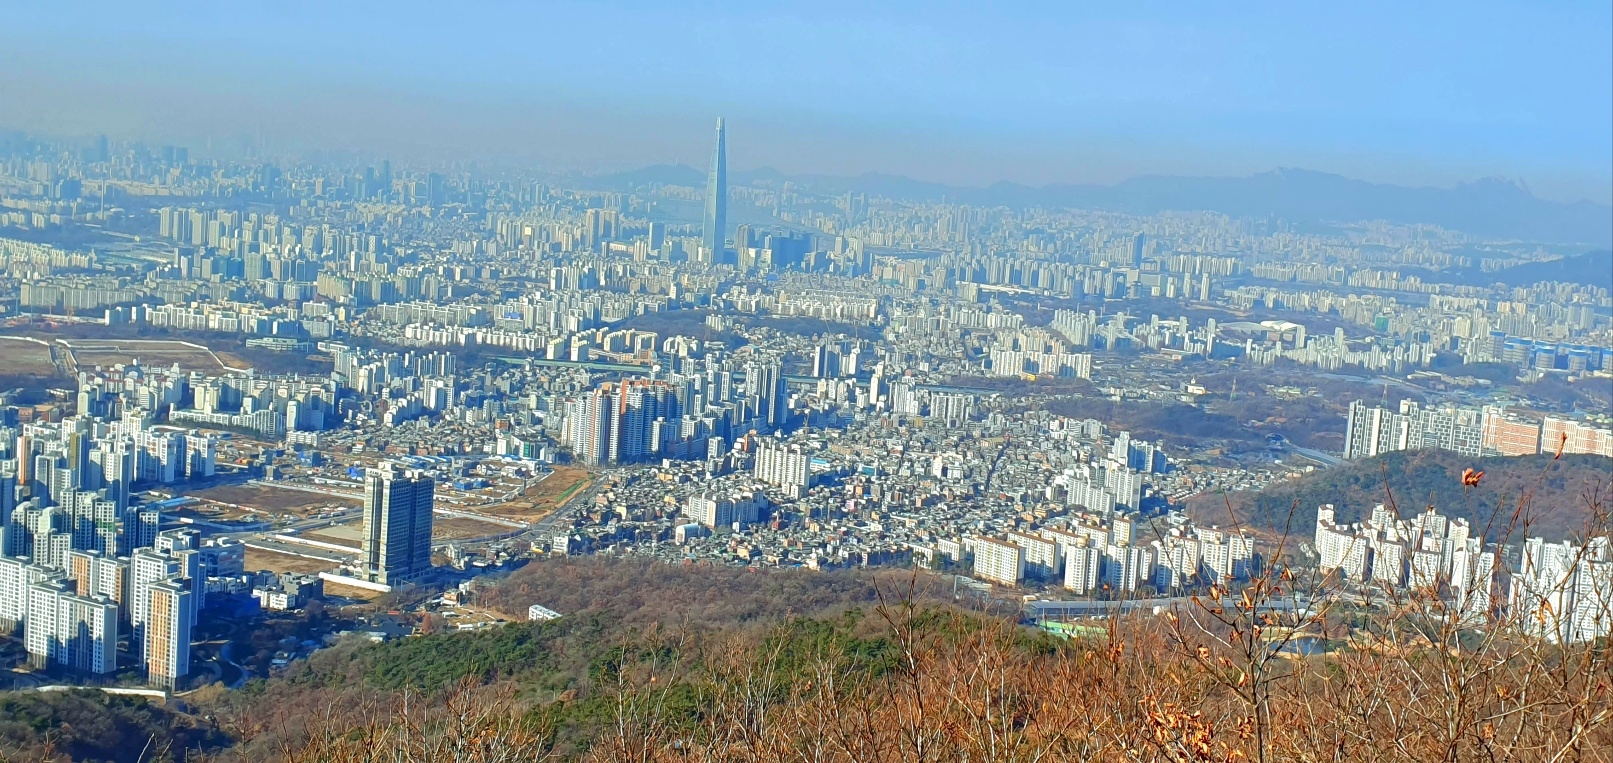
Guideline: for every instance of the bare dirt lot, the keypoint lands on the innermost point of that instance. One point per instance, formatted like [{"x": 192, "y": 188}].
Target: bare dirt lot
[
  {"x": 25, "y": 358},
  {"x": 544, "y": 497},
  {"x": 345, "y": 534},
  {"x": 215, "y": 512},
  {"x": 458, "y": 528},
  {"x": 89, "y": 353},
  {"x": 442, "y": 528},
  {"x": 258, "y": 559},
  {"x": 351, "y": 592},
  {"x": 233, "y": 360},
  {"x": 273, "y": 500}
]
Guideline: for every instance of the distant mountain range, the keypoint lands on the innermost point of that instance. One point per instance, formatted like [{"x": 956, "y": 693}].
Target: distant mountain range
[{"x": 1491, "y": 207}]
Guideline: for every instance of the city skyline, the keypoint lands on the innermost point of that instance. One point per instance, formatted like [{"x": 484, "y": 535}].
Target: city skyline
[
  {"x": 473, "y": 369},
  {"x": 961, "y": 97}
]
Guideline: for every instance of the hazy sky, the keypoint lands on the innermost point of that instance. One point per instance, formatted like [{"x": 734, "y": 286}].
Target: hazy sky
[{"x": 1418, "y": 93}]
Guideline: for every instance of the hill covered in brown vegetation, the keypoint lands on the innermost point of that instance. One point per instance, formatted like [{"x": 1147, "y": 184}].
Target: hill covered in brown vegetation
[
  {"x": 1554, "y": 493},
  {"x": 719, "y": 665}
]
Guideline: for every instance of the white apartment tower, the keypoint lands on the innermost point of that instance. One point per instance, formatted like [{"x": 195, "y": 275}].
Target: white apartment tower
[
  {"x": 786, "y": 466},
  {"x": 1000, "y": 562},
  {"x": 75, "y": 632}
]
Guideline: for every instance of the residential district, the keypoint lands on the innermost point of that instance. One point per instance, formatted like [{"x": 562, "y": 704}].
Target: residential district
[{"x": 245, "y": 386}]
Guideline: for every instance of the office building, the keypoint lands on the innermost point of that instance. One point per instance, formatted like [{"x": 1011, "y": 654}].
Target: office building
[{"x": 398, "y": 504}]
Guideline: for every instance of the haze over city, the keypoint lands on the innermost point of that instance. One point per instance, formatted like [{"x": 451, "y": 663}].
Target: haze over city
[
  {"x": 812, "y": 382},
  {"x": 1429, "y": 94}
]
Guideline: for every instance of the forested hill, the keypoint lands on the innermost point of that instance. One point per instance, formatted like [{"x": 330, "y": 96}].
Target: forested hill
[{"x": 1555, "y": 492}]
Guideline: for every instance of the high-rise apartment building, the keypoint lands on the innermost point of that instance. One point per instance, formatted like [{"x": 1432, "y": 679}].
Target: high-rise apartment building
[
  {"x": 1429, "y": 551},
  {"x": 617, "y": 422},
  {"x": 1373, "y": 431},
  {"x": 766, "y": 397},
  {"x": 1041, "y": 555},
  {"x": 1508, "y": 435},
  {"x": 1126, "y": 568},
  {"x": 1082, "y": 565},
  {"x": 397, "y": 523},
  {"x": 1574, "y": 437},
  {"x": 720, "y": 511},
  {"x": 952, "y": 410},
  {"x": 64, "y": 629},
  {"x": 165, "y": 646},
  {"x": 1490, "y": 431},
  {"x": 150, "y": 569},
  {"x": 97, "y": 574},
  {"x": 16, "y": 576},
  {"x": 786, "y": 466},
  {"x": 1000, "y": 562}
]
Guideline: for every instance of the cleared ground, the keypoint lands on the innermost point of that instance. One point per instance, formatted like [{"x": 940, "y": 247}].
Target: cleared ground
[
  {"x": 346, "y": 534},
  {"x": 442, "y": 528},
  {"x": 351, "y": 592},
  {"x": 547, "y": 495},
  {"x": 258, "y": 559},
  {"x": 273, "y": 500},
  {"x": 457, "y": 528},
  {"x": 233, "y": 360},
  {"x": 90, "y": 353},
  {"x": 214, "y": 512},
  {"x": 20, "y": 357}
]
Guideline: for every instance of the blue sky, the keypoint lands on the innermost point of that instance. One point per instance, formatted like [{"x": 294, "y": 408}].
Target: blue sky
[{"x": 1418, "y": 93}]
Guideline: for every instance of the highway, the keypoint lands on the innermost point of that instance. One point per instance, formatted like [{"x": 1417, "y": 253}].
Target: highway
[{"x": 1316, "y": 455}]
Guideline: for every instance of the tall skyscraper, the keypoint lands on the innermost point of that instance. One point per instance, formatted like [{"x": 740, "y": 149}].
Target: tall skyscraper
[
  {"x": 716, "y": 222},
  {"x": 657, "y": 236},
  {"x": 397, "y": 523}
]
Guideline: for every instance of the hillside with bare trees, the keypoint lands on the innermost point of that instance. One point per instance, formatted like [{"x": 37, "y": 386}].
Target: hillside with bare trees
[{"x": 691, "y": 664}]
